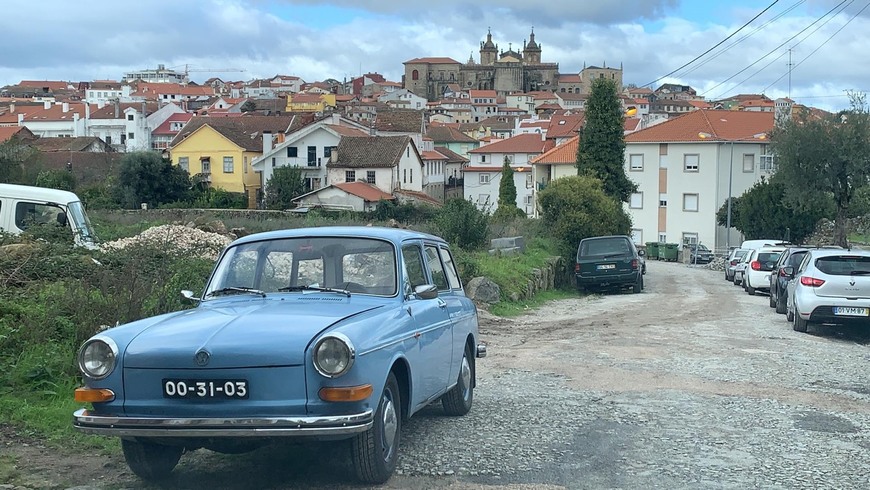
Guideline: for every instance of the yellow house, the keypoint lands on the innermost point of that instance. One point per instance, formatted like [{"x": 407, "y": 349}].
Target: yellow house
[
  {"x": 221, "y": 149},
  {"x": 309, "y": 102}
]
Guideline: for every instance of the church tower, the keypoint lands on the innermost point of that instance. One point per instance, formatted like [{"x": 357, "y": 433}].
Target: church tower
[
  {"x": 532, "y": 52},
  {"x": 488, "y": 50}
]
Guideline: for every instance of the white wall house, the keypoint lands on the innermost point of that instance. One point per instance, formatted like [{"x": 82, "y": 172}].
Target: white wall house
[
  {"x": 404, "y": 98},
  {"x": 386, "y": 162},
  {"x": 104, "y": 93},
  {"x": 683, "y": 169},
  {"x": 309, "y": 148},
  {"x": 126, "y": 129},
  {"x": 482, "y": 175}
]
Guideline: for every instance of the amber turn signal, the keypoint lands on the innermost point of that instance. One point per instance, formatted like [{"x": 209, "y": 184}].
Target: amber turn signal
[
  {"x": 346, "y": 394},
  {"x": 91, "y": 395}
]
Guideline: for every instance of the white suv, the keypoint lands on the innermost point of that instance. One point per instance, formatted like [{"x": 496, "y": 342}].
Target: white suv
[
  {"x": 756, "y": 276},
  {"x": 830, "y": 286}
]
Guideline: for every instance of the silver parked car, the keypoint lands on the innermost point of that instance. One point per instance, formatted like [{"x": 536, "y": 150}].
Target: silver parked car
[
  {"x": 830, "y": 286},
  {"x": 740, "y": 268},
  {"x": 731, "y": 262}
]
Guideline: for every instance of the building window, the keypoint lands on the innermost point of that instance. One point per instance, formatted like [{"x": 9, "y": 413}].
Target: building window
[
  {"x": 184, "y": 163},
  {"x": 129, "y": 117},
  {"x": 228, "y": 165},
  {"x": 370, "y": 176},
  {"x": 766, "y": 163},
  {"x": 636, "y": 201},
  {"x": 482, "y": 198},
  {"x": 411, "y": 176},
  {"x": 636, "y": 162},
  {"x": 405, "y": 176},
  {"x": 206, "y": 165},
  {"x": 690, "y": 238},
  {"x": 663, "y": 238},
  {"x": 349, "y": 176},
  {"x": 415, "y": 75},
  {"x": 749, "y": 162},
  {"x": 484, "y": 178},
  {"x": 690, "y": 162},
  {"x": 327, "y": 151},
  {"x": 274, "y": 162},
  {"x": 482, "y": 158},
  {"x": 663, "y": 200},
  {"x": 637, "y": 235},
  {"x": 663, "y": 148},
  {"x": 690, "y": 202},
  {"x": 292, "y": 152}
]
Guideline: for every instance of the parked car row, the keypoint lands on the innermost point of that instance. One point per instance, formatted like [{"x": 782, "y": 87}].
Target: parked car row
[{"x": 825, "y": 286}]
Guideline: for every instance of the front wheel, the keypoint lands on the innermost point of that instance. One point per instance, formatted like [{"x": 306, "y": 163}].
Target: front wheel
[
  {"x": 458, "y": 400},
  {"x": 376, "y": 451},
  {"x": 151, "y": 461}
]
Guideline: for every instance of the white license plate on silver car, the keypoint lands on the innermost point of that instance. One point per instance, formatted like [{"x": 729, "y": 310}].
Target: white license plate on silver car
[{"x": 851, "y": 311}]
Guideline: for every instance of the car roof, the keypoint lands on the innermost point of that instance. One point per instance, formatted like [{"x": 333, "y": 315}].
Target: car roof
[
  {"x": 384, "y": 233},
  {"x": 833, "y": 252},
  {"x": 770, "y": 249}
]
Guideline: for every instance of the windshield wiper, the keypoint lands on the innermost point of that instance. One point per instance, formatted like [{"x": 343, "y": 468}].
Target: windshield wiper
[
  {"x": 236, "y": 290},
  {"x": 860, "y": 273},
  {"x": 315, "y": 288}
]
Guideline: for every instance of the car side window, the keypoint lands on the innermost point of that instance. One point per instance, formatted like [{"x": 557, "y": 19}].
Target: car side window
[
  {"x": 450, "y": 268},
  {"x": 804, "y": 263},
  {"x": 437, "y": 268},
  {"x": 412, "y": 257}
]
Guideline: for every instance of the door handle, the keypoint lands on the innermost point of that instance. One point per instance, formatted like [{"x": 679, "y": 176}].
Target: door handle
[{"x": 442, "y": 304}]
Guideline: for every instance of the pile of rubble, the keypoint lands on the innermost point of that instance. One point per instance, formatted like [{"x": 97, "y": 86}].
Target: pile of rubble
[
  {"x": 717, "y": 264},
  {"x": 179, "y": 239}
]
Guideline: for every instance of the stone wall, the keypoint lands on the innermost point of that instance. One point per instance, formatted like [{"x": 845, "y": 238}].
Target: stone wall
[{"x": 552, "y": 275}]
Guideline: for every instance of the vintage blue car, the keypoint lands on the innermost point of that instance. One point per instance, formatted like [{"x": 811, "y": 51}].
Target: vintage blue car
[{"x": 333, "y": 333}]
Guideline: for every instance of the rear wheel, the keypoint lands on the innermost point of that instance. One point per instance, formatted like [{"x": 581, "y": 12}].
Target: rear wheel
[
  {"x": 638, "y": 285},
  {"x": 789, "y": 315},
  {"x": 375, "y": 451},
  {"x": 458, "y": 400},
  {"x": 151, "y": 461},
  {"x": 780, "y": 304},
  {"x": 771, "y": 300},
  {"x": 799, "y": 324}
]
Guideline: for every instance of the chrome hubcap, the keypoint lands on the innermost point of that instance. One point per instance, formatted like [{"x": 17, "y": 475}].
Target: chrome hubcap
[
  {"x": 390, "y": 423},
  {"x": 465, "y": 378}
]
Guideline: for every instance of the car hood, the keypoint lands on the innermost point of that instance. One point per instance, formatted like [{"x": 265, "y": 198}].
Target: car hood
[{"x": 247, "y": 333}]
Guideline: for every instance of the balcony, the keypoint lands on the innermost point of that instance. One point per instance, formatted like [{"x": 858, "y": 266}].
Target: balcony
[{"x": 453, "y": 182}]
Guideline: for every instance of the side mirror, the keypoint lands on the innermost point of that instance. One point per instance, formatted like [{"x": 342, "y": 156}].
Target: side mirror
[
  {"x": 61, "y": 218},
  {"x": 426, "y": 291},
  {"x": 788, "y": 271},
  {"x": 188, "y": 295},
  {"x": 642, "y": 253}
]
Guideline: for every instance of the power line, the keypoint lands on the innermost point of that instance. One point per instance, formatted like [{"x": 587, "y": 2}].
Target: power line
[
  {"x": 738, "y": 41},
  {"x": 723, "y": 82},
  {"x": 820, "y": 46},
  {"x": 715, "y": 46},
  {"x": 788, "y": 51}
]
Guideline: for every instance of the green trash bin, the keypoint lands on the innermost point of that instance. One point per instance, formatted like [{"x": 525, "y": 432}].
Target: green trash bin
[
  {"x": 669, "y": 251},
  {"x": 652, "y": 250}
]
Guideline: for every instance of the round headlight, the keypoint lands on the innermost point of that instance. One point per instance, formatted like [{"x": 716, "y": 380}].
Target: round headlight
[
  {"x": 333, "y": 355},
  {"x": 97, "y": 357}
]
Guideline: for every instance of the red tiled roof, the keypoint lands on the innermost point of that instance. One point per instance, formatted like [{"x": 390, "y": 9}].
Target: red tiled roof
[
  {"x": 758, "y": 103},
  {"x": 452, "y": 156},
  {"x": 108, "y": 110},
  {"x": 483, "y": 93},
  {"x": 364, "y": 190},
  {"x": 700, "y": 104},
  {"x": 720, "y": 125},
  {"x": 35, "y": 113},
  {"x": 566, "y": 153},
  {"x": 630, "y": 123},
  {"x": 565, "y": 125},
  {"x": 420, "y": 196},
  {"x": 8, "y": 132},
  {"x": 305, "y": 98},
  {"x": 432, "y": 155},
  {"x": 52, "y": 85},
  {"x": 522, "y": 143},
  {"x": 165, "y": 127},
  {"x": 346, "y": 131},
  {"x": 570, "y": 79},
  {"x": 433, "y": 61}
]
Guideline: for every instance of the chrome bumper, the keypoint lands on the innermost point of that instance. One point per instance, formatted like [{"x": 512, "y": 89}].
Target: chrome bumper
[
  {"x": 121, "y": 426},
  {"x": 481, "y": 350}
]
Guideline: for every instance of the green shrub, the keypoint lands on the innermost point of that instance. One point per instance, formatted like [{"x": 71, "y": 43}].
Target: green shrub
[
  {"x": 56, "y": 179},
  {"x": 462, "y": 224}
]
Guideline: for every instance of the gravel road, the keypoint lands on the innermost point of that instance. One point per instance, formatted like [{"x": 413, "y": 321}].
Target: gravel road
[{"x": 692, "y": 384}]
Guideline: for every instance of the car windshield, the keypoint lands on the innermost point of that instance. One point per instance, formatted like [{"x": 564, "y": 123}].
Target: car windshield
[
  {"x": 83, "y": 225},
  {"x": 604, "y": 246},
  {"x": 702, "y": 248},
  {"x": 307, "y": 265},
  {"x": 844, "y": 265},
  {"x": 738, "y": 254}
]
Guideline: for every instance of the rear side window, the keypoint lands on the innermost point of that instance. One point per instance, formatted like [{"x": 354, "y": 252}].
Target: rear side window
[
  {"x": 450, "y": 268},
  {"x": 437, "y": 269},
  {"x": 844, "y": 265},
  {"x": 795, "y": 259},
  {"x": 604, "y": 246}
]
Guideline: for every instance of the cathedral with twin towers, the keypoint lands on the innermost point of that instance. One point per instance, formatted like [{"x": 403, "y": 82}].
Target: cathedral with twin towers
[{"x": 505, "y": 71}]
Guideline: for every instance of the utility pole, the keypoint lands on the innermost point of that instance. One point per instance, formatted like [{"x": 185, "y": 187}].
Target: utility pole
[{"x": 789, "y": 73}]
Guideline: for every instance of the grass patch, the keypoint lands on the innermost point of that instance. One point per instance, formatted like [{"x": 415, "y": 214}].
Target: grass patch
[
  {"x": 513, "y": 309},
  {"x": 513, "y": 272},
  {"x": 859, "y": 238},
  {"x": 8, "y": 471}
]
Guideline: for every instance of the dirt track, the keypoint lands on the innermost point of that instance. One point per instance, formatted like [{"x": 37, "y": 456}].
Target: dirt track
[{"x": 692, "y": 384}]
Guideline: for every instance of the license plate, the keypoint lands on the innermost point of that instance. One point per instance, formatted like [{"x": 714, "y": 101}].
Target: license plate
[
  {"x": 851, "y": 311},
  {"x": 206, "y": 389},
  {"x": 606, "y": 266}
]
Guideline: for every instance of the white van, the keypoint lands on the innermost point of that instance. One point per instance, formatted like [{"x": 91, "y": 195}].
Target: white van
[
  {"x": 22, "y": 206},
  {"x": 767, "y": 242}
]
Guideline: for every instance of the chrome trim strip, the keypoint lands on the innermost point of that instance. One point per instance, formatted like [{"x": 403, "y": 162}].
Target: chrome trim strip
[{"x": 222, "y": 427}]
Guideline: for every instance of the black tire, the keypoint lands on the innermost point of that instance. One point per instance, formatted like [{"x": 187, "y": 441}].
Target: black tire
[
  {"x": 799, "y": 324},
  {"x": 789, "y": 315},
  {"x": 149, "y": 461},
  {"x": 771, "y": 301},
  {"x": 735, "y": 281},
  {"x": 376, "y": 451},
  {"x": 780, "y": 304},
  {"x": 638, "y": 285},
  {"x": 459, "y": 399}
]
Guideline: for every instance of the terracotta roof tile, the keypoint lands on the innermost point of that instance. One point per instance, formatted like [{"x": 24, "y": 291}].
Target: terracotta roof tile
[
  {"x": 565, "y": 125},
  {"x": 432, "y": 155},
  {"x": 53, "y": 85},
  {"x": 165, "y": 128},
  {"x": 399, "y": 121},
  {"x": 370, "y": 151},
  {"x": 630, "y": 123},
  {"x": 448, "y": 134},
  {"x": 364, "y": 190},
  {"x": 522, "y": 143},
  {"x": 18, "y": 132},
  {"x": 346, "y": 131},
  {"x": 570, "y": 78},
  {"x": 80, "y": 143},
  {"x": 433, "y": 60},
  {"x": 720, "y": 125},
  {"x": 419, "y": 196},
  {"x": 452, "y": 156},
  {"x": 564, "y": 154},
  {"x": 108, "y": 110},
  {"x": 245, "y": 131}
]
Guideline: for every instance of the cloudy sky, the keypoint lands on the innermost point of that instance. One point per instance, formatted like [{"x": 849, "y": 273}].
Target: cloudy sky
[{"x": 101, "y": 39}]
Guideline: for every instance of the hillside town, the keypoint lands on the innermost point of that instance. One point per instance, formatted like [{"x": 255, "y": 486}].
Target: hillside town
[{"x": 443, "y": 131}]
